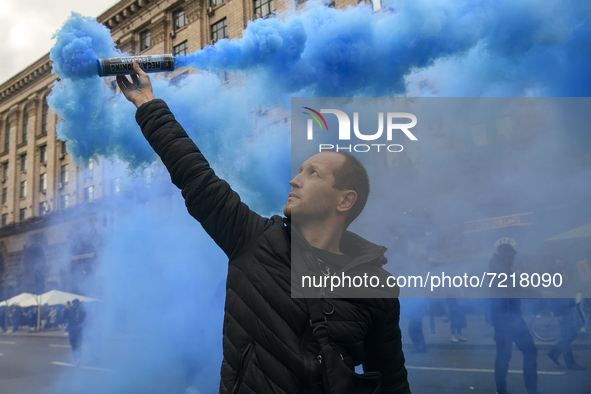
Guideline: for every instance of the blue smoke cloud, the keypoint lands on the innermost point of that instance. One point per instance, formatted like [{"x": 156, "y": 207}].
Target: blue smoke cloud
[
  {"x": 425, "y": 48},
  {"x": 92, "y": 119},
  {"x": 418, "y": 48}
]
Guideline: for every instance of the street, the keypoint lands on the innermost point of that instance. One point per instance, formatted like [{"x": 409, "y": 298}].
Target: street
[
  {"x": 470, "y": 370},
  {"x": 41, "y": 365},
  {"x": 31, "y": 364}
]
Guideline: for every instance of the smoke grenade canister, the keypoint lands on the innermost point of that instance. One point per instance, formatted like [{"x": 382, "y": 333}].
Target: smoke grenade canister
[{"x": 124, "y": 65}]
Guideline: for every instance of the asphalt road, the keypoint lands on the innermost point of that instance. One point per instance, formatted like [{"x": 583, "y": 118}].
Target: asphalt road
[
  {"x": 35, "y": 365},
  {"x": 31, "y": 365},
  {"x": 467, "y": 370}
]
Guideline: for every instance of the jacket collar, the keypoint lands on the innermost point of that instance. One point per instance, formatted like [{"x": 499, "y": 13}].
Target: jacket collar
[{"x": 362, "y": 250}]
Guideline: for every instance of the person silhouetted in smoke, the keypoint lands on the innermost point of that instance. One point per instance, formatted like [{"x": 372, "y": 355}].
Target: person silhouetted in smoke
[
  {"x": 3, "y": 318},
  {"x": 457, "y": 319},
  {"x": 17, "y": 318},
  {"x": 510, "y": 327},
  {"x": 76, "y": 318},
  {"x": 66, "y": 316},
  {"x": 415, "y": 309},
  {"x": 269, "y": 345},
  {"x": 564, "y": 309}
]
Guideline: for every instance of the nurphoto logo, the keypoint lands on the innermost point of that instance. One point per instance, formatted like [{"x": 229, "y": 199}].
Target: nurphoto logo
[{"x": 392, "y": 124}]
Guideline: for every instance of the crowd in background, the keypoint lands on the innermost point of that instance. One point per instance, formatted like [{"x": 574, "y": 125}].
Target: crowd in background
[{"x": 15, "y": 318}]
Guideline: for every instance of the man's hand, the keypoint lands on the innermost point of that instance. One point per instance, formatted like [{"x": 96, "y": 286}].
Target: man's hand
[{"x": 139, "y": 90}]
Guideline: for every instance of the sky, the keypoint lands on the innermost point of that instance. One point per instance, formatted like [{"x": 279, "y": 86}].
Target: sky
[{"x": 27, "y": 27}]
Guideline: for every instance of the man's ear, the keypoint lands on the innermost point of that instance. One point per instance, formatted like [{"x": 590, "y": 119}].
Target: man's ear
[{"x": 347, "y": 199}]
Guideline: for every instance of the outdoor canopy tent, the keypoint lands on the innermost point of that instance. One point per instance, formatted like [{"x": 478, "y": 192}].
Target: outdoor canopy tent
[
  {"x": 56, "y": 297},
  {"x": 52, "y": 297},
  {"x": 20, "y": 299}
]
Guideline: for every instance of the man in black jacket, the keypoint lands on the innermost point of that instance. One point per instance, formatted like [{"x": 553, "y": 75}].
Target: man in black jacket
[{"x": 268, "y": 345}]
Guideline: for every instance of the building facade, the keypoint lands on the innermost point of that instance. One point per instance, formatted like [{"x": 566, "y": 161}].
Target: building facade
[{"x": 53, "y": 210}]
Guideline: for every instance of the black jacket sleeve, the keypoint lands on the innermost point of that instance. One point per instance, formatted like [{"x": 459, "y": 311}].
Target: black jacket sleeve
[
  {"x": 383, "y": 351},
  {"x": 209, "y": 199}
]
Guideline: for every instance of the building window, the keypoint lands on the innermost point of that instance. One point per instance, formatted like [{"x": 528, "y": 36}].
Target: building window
[
  {"x": 219, "y": 30},
  {"x": 43, "y": 183},
  {"x": 263, "y": 8},
  {"x": 4, "y": 219},
  {"x": 23, "y": 189},
  {"x": 216, "y": 2},
  {"x": 25, "y": 124},
  {"x": 88, "y": 169},
  {"x": 7, "y": 136},
  {"x": 64, "y": 201},
  {"x": 64, "y": 150},
  {"x": 24, "y": 163},
  {"x": 44, "y": 112},
  {"x": 64, "y": 175},
  {"x": 145, "y": 40},
  {"x": 4, "y": 195},
  {"x": 5, "y": 171},
  {"x": 21, "y": 214},
  {"x": 43, "y": 208},
  {"x": 88, "y": 193},
  {"x": 179, "y": 19},
  {"x": 43, "y": 154},
  {"x": 180, "y": 49}
]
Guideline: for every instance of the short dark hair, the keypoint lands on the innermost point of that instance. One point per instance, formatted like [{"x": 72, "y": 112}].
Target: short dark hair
[{"x": 352, "y": 176}]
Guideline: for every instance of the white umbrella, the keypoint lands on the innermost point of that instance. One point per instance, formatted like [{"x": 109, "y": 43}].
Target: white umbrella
[
  {"x": 22, "y": 300},
  {"x": 56, "y": 297}
]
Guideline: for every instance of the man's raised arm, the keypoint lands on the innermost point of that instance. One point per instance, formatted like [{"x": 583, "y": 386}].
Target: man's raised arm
[{"x": 209, "y": 199}]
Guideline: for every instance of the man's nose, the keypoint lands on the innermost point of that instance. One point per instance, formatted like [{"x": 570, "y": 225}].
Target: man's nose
[{"x": 295, "y": 182}]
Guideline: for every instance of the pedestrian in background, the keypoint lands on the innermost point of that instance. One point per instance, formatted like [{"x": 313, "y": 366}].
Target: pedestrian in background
[
  {"x": 17, "y": 318},
  {"x": 457, "y": 319},
  {"x": 564, "y": 310},
  {"x": 415, "y": 309},
  {"x": 66, "y": 316},
  {"x": 76, "y": 317},
  {"x": 52, "y": 317},
  {"x": 510, "y": 327},
  {"x": 3, "y": 318}
]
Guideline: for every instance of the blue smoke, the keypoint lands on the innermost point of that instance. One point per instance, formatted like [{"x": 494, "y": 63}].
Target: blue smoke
[
  {"x": 425, "y": 48},
  {"x": 326, "y": 52},
  {"x": 92, "y": 120}
]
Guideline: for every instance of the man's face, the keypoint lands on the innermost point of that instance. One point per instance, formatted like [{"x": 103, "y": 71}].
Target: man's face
[{"x": 313, "y": 195}]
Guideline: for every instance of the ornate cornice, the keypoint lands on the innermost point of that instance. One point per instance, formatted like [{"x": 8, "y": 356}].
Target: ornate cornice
[
  {"x": 122, "y": 18},
  {"x": 41, "y": 68}
]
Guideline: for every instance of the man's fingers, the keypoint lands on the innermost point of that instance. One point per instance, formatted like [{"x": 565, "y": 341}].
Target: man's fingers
[
  {"x": 121, "y": 82},
  {"x": 138, "y": 69},
  {"x": 134, "y": 79}
]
